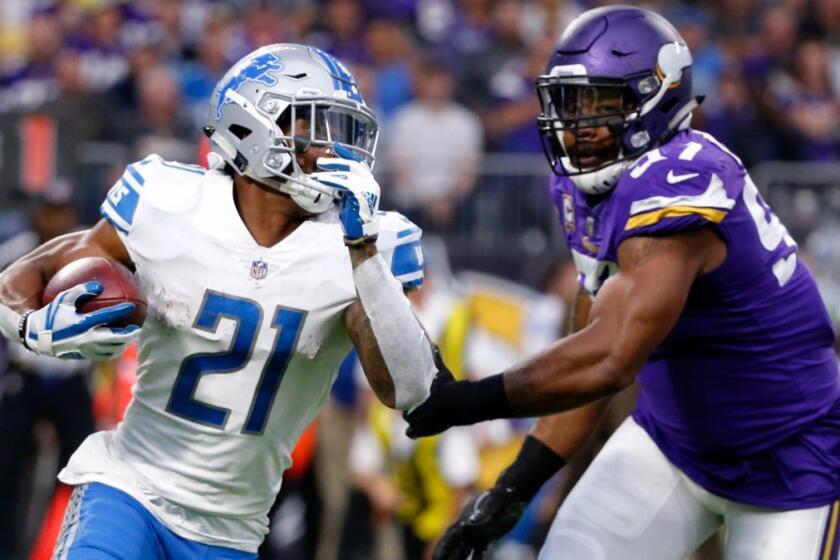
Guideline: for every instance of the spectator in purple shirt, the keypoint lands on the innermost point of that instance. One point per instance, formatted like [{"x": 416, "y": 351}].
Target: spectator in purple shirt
[
  {"x": 34, "y": 83},
  {"x": 343, "y": 31},
  {"x": 809, "y": 107}
]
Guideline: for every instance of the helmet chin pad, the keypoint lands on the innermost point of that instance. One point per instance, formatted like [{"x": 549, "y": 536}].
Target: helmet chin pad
[
  {"x": 601, "y": 180},
  {"x": 307, "y": 193}
]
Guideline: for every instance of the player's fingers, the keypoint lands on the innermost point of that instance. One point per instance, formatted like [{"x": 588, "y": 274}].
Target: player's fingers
[
  {"x": 329, "y": 180},
  {"x": 80, "y": 293},
  {"x": 96, "y": 355},
  {"x": 108, "y": 314},
  {"x": 108, "y": 337},
  {"x": 131, "y": 331},
  {"x": 480, "y": 551},
  {"x": 344, "y": 152},
  {"x": 423, "y": 429},
  {"x": 332, "y": 164},
  {"x": 451, "y": 545},
  {"x": 71, "y": 356}
]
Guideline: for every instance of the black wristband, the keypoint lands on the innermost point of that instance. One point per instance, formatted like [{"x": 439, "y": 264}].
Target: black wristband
[
  {"x": 482, "y": 400},
  {"x": 22, "y": 327},
  {"x": 534, "y": 465},
  {"x": 359, "y": 241}
]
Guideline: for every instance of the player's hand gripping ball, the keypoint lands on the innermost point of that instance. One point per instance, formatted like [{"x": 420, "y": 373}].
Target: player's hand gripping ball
[{"x": 92, "y": 308}]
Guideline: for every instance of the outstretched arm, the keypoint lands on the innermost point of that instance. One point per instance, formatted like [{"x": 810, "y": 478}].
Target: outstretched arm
[{"x": 632, "y": 314}]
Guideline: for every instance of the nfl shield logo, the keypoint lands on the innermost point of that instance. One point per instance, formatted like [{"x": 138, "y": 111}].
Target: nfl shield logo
[
  {"x": 259, "y": 269},
  {"x": 568, "y": 212},
  {"x": 590, "y": 226}
]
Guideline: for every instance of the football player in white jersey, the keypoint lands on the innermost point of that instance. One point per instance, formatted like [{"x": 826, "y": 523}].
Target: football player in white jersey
[{"x": 259, "y": 273}]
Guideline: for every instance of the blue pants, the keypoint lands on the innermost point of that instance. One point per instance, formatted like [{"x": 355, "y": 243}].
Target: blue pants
[{"x": 103, "y": 523}]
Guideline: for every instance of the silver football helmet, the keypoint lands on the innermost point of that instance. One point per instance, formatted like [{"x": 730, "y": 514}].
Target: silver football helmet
[{"x": 255, "y": 112}]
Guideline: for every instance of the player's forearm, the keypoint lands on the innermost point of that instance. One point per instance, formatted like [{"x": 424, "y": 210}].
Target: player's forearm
[
  {"x": 566, "y": 432},
  {"x": 22, "y": 283},
  {"x": 373, "y": 365},
  {"x": 576, "y": 371},
  {"x": 361, "y": 253},
  {"x": 393, "y": 348}
]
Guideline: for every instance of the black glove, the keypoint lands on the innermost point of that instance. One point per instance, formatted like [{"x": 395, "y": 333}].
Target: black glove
[
  {"x": 485, "y": 519},
  {"x": 456, "y": 403},
  {"x": 494, "y": 513}
]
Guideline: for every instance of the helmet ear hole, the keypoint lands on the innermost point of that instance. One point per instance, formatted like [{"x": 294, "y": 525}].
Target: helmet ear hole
[{"x": 239, "y": 131}]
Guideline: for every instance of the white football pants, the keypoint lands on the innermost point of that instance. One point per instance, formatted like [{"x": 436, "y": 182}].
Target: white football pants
[{"x": 633, "y": 504}]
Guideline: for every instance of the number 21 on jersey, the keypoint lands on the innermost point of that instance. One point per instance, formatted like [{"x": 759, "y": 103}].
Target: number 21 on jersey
[{"x": 248, "y": 316}]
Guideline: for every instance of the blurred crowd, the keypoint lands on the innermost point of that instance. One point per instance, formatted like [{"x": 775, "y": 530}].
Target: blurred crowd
[
  {"x": 96, "y": 84},
  {"x": 139, "y": 72}
]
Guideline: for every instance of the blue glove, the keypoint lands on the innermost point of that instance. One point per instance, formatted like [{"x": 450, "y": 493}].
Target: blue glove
[
  {"x": 59, "y": 329},
  {"x": 358, "y": 200}
]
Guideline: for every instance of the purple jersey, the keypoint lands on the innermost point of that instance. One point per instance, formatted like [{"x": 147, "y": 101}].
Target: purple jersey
[{"x": 743, "y": 395}]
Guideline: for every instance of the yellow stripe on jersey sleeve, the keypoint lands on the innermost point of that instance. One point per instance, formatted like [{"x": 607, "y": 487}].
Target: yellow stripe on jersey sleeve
[{"x": 715, "y": 215}]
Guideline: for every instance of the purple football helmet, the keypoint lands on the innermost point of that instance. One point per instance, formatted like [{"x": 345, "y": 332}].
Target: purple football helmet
[{"x": 619, "y": 67}]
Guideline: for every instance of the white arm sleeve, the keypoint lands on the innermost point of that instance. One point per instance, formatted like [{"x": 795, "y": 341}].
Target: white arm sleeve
[{"x": 402, "y": 341}]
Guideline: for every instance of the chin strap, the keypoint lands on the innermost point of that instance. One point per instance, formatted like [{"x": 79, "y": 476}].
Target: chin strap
[{"x": 677, "y": 121}]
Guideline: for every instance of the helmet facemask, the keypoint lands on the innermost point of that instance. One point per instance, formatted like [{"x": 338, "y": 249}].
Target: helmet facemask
[
  {"x": 640, "y": 110},
  {"x": 312, "y": 122},
  {"x": 582, "y": 126}
]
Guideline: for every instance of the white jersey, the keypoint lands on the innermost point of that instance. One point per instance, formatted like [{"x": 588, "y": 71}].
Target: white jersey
[{"x": 238, "y": 353}]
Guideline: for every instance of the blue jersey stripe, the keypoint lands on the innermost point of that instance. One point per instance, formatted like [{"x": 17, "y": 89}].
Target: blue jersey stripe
[
  {"x": 134, "y": 173},
  {"x": 105, "y": 212},
  {"x": 413, "y": 283},
  {"x": 408, "y": 232},
  {"x": 407, "y": 259},
  {"x": 197, "y": 169},
  {"x": 123, "y": 200}
]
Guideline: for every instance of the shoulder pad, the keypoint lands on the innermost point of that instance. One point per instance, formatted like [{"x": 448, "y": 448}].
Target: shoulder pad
[
  {"x": 399, "y": 244},
  {"x": 685, "y": 184},
  {"x": 152, "y": 182}
]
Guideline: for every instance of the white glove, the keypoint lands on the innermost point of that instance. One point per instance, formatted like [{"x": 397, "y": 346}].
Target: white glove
[
  {"x": 358, "y": 200},
  {"x": 58, "y": 329}
]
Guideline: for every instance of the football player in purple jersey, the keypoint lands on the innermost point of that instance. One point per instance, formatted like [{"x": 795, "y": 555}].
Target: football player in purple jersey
[{"x": 690, "y": 285}]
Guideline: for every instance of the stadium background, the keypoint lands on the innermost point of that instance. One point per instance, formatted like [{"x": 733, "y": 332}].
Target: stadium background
[{"x": 87, "y": 86}]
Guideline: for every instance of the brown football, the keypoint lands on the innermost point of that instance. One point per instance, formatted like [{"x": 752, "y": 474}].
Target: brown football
[{"x": 118, "y": 285}]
